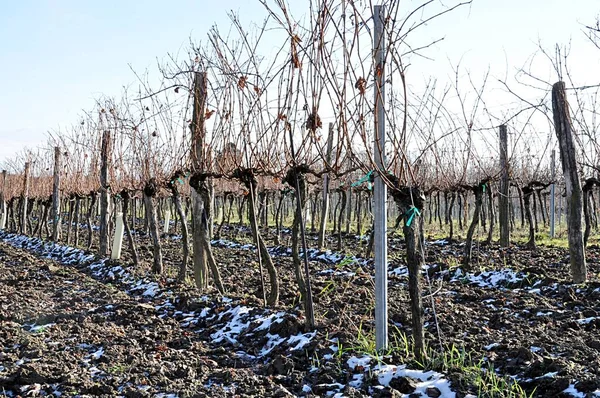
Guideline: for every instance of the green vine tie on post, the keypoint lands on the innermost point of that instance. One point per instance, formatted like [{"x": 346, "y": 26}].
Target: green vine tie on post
[
  {"x": 367, "y": 178},
  {"x": 411, "y": 212},
  {"x": 483, "y": 187}
]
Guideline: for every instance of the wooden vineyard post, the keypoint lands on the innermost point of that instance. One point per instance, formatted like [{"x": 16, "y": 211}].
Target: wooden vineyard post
[
  {"x": 478, "y": 190},
  {"x": 3, "y": 217},
  {"x": 197, "y": 153},
  {"x": 564, "y": 132},
  {"x": 325, "y": 205},
  {"x": 349, "y": 210},
  {"x": 552, "y": 193},
  {"x": 412, "y": 204},
  {"x": 25, "y": 195},
  {"x": 90, "y": 213},
  {"x": 380, "y": 190},
  {"x": 150, "y": 190},
  {"x": 105, "y": 156},
  {"x": 504, "y": 190}
]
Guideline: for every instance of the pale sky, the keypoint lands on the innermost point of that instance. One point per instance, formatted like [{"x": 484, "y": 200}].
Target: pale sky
[{"x": 56, "y": 56}]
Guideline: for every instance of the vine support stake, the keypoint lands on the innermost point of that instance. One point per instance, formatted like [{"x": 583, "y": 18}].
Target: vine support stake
[
  {"x": 380, "y": 190},
  {"x": 115, "y": 253},
  {"x": 105, "y": 157},
  {"x": 325, "y": 205},
  {"x": 197, "y": 155},
  {"x": 56, "y": 196},
  {"x": 25, "y": 196},
  {"x": 3, "y": 201},
  {"x": 552, "y": 193},
  {"x": 504, "y": 220},
  {"x": 564, "y": 132},
  {"x": 308, "y": 300}
]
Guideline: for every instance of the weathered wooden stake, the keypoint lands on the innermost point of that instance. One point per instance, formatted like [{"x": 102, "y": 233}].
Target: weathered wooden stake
[
  {"x": 25, "y": 195},
  {"x": 325, "y": 205},
  {"x": 197, "y": 153},
  {"x": 504, "y": 189},
  {"x": 564, "y": 132},
  {"x": 150, "y": 191},
  {"x": 105, "y": 156},
  {"x": 3, "y": 218},
  {"x": 552, "y": 193}
]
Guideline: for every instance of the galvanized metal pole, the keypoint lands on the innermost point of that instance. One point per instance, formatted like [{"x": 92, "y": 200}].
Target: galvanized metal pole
[
  {"x": 552, "y": 188},
  {"x": 380, "y": 190}
]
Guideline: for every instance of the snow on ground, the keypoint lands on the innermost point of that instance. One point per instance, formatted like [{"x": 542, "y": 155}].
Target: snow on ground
[
  {"x": 386, "y": 373},
  {"x": 232, "y": 321},
  {"x": 490, "y": 279}
]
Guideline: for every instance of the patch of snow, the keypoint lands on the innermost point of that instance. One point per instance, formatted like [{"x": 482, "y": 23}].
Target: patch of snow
[
  {"x": 268, "y": 320},
  {"x": 357, "y": 380},
  {"x": 490, "y": 346},
  {"x": 273, "y": 341},
  {"x": 540, "y": 313},
  {"x": 98, "y": 353},
  {"x": 439, "y": 242},
  {"x": 236, "y": 325},
  {"x": 336, "y": 387},
  {"x": 385, "y": 373},
  {"x": 490, "y": 279},
  {"x": 39, "y": 328},
  {"x": 573, "y": 391},
  {"x": 400, "y": 271},
  {"x": 151, "y": 289},
  {"x": 353, "y": 362},
  {"x": 95, "y": 372},
  {"x": 301, "y": 340},
  {"x": 586, "y": 320}
]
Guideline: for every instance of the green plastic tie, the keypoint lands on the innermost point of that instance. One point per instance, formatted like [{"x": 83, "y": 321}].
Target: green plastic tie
[
  {"x": 411, "y": 212},
  {"x": 484, "y": 188},
  {"x": 367, "y": 178},
  {"x": 179, "y": 180}
]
